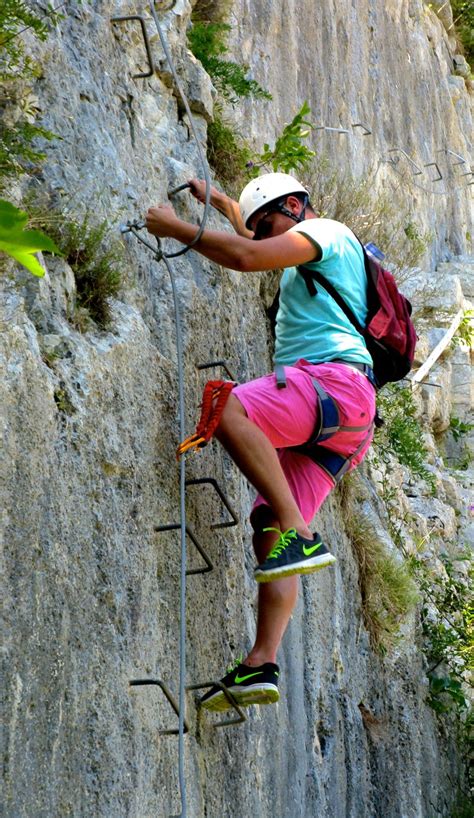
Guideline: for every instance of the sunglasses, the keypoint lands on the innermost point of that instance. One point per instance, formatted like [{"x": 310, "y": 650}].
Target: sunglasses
[{"x": 264, "y": 227}]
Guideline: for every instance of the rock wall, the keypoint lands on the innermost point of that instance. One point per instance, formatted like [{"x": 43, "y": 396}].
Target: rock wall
[
  {"x": 388, "y": 66},
  {"x": 90, "y": 424}
]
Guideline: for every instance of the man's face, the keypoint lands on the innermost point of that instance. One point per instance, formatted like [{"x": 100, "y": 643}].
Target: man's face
[
  {"x": 272, "y": 222},
  {"x": 266, "y": 225}
]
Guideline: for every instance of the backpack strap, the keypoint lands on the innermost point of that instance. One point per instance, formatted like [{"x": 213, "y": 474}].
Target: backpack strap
[{"x": 310, "y": 276}]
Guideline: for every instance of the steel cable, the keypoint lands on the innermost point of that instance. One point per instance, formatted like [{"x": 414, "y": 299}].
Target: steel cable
[
  {"x": 160, "y": 256},
  {"x": 182, "y": 481},
  {"x": 191, "y": 122},
  {"x": 134, "y": 228},
  {"x": 182, "y": 495}
]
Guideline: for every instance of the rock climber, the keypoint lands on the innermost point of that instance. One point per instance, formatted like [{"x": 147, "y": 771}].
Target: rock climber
[{"x": 323, "y": 389}]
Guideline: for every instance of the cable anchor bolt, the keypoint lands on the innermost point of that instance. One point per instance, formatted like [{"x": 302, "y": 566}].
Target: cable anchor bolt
[{"x": 416, "y": 170}]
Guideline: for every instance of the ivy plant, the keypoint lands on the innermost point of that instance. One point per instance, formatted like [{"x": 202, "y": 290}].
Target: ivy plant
[
  {"x": 18, "y": 111},
  {"x": 459, "y": 428},
  {"x": 463, "y": 13},
  {"x": 15, "y": 17},
  {"x": 465, "y": 332}
]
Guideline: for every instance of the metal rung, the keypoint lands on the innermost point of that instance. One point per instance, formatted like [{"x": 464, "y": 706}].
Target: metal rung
[
  {"x": 448, "y": 152},
  {"x": 166, "y": 7},
  {"x": 367, "y": 130},
  {"x": 159, "y": 683},
  {"x": 223, "y": 364},
  {"x": 141, "y": 20},
  {"x": 200, "y": 686},
  {"x": 174, "y": 190},
  {"x": 198, "y": 546},
  {"x": 197, "y": 481},
  {"x": 227, "y": 722},
  {"x": 435, "y": 165},
  {"x": 327, "y": 128}
]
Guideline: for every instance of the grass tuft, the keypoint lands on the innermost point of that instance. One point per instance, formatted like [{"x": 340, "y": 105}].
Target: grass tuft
[
  {"x": 388, "y": 591},
  {"x": 228, "y": 154},
  {"x": 94, "y": 260}
]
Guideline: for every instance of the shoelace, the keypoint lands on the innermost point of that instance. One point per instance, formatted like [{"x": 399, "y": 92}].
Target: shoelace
[{"x": 283, "y": 541}]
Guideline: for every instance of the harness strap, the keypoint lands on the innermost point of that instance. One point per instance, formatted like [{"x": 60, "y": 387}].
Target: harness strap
[
  {"x": 328, "y": 416},
  {"x": 334, "y": 464},
  {"x": 280, "y": 376}
]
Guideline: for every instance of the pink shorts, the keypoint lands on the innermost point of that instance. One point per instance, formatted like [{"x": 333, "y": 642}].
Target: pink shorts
[{"x": 288, "y": 417}]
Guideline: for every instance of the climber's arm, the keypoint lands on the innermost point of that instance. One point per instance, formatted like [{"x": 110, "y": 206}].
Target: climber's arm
[
  {"x": 223, "y": 203},
  {"x": 237, "y": 252}
]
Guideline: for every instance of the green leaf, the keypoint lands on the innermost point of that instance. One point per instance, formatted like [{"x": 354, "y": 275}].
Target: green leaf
[
  {"x": 11, "y": 216},
  {"x": 21, "y": 244}
]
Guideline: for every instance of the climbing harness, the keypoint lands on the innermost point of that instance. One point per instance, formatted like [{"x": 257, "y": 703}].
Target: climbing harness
[
  {"x": 214, "y": 399},
  {"x": 328, "y": 424},
  {"x": 334, "y": 464}
]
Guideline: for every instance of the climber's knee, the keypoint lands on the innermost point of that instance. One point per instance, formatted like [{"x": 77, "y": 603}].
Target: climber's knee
[{"x": 231, "y": 412}]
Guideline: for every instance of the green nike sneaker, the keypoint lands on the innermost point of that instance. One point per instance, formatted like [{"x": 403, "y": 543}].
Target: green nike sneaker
[
  {"x": 293, "y": 554},
  {"x": 248, "y": 685}
]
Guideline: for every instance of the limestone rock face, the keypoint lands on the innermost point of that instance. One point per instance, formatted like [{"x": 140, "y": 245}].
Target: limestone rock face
[
  {"x": 387, "y": 66},
  {"x": 89, "y": 425}
]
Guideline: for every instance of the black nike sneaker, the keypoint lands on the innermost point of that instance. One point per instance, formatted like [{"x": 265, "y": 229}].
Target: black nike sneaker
[
  {"x": 293, "y": 554},
  {"x": 248, "y": 685}
]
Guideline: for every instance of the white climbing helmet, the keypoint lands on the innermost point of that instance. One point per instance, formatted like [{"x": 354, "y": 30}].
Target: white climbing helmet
[{"x": 264, "y": 190}]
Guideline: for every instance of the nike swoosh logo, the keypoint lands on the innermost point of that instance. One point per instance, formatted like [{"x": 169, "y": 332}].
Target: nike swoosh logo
[
  {"x": 307, "y": 551},
  {"x": 239, "y": 679}
]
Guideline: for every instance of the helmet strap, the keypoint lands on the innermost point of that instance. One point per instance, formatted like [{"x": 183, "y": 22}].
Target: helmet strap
[{"x": 284, "y": 210}]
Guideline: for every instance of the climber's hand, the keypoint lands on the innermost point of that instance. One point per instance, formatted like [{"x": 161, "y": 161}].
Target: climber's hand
[
  {"x": 197, "y": 188},
  {"x": 160, "y": 220}
]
